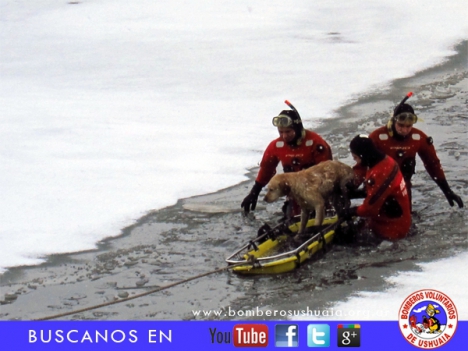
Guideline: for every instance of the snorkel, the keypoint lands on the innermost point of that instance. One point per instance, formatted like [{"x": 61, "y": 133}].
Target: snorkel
[
  {"x": 410, "y": 94},
  {"x": 290, "y": 105}
]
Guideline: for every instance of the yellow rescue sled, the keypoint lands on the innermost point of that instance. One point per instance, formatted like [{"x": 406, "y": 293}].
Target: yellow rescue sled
[{"x": 275, "y": 251}]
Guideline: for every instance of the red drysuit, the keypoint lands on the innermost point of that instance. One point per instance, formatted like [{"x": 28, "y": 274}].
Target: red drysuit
[{"x": 386, "y": 207}]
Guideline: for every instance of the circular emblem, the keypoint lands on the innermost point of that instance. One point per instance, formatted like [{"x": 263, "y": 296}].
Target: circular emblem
[{"x": 428, "y": 319}]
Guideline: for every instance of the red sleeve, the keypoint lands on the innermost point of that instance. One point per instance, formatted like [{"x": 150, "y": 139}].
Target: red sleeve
[
  {"x": 428, "y": 155},
  {"x": 268, "y": 164},
  {"x": 366, "y": 209},
  {"x": 374, "y": 181}
]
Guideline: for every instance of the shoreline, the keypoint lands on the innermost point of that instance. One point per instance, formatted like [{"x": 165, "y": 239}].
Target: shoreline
[{"x": 152, "y": 249}]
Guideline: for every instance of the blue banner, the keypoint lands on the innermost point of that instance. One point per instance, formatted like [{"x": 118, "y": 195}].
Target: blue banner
[{"x": 220, "y": 335}]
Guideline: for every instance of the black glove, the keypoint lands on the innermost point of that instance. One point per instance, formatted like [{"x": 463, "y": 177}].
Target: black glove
[
  {"x": 250, "y": 201},
  {"x": 350, "y": 213},
  {"x": 449, "y": 194}
]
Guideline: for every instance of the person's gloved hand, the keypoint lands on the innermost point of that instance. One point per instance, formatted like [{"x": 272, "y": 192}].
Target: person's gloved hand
[
  {"x": 449, "y": 194},
  {"x": 250, "y": 201},
  {"x": 349, "y": 213},
  {"x": 451, "y": 197}
]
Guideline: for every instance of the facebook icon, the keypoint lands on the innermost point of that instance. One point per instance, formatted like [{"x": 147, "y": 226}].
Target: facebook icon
[
  {"x": 286, "y": 335},
  {"x": 318, "y": 335}
]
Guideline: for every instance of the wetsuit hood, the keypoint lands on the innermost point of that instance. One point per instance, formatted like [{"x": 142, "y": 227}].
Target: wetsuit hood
[
  {"x": 401, "y": 110},
  {"x": 363, "y": 147},
  {"x": 296, "y": 125}
]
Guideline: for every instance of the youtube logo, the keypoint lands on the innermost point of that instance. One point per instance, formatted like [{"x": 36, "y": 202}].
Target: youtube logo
[{"x": 250, "y": 335}]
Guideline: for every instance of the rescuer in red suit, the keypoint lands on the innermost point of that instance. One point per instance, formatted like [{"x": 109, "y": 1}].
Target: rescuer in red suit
[
  {"x": 386, "y": 208},
  {"x": 401, "y": 141},
  {"x": 296, "y": 149}
]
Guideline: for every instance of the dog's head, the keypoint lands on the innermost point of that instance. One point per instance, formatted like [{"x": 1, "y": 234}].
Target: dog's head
[{"x": 277, "y": 187}]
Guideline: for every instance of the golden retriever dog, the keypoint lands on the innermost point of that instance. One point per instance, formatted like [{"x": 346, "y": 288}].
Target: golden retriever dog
[{"x": 312, "y": 188}]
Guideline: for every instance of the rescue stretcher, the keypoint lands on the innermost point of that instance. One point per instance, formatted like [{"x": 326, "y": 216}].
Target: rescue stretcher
[{"x": 275, "y": 251}]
